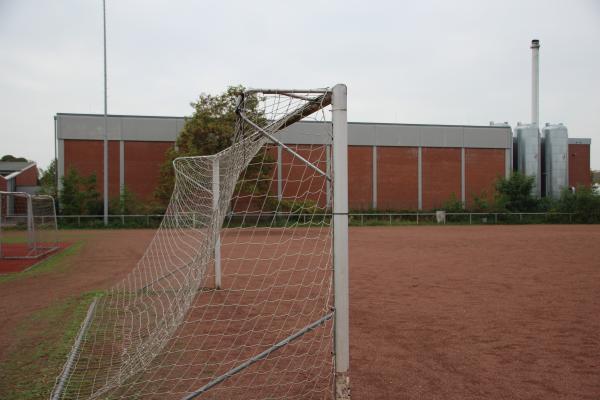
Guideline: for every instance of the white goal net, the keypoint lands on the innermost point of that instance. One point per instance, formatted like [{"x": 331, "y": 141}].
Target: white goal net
[
  {"x": 233, "y": 298},
  {"x": 27, "y": 225}
]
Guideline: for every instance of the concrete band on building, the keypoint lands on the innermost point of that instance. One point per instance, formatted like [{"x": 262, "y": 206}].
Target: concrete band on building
[{"x": 391, "y": 166}]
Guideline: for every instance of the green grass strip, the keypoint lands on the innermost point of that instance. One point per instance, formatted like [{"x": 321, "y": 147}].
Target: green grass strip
[
  {"x": 42, "y": 344},
  {"x": 55, "y": 263}
]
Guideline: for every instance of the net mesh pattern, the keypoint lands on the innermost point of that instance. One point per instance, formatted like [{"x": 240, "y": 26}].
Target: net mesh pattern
[
  {"x": 172, "y": 327},
  {"x": 27, "y": 225}
]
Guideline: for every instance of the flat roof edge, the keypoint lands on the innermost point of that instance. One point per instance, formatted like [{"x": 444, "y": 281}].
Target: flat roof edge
[{"x": 310, "y": 122}]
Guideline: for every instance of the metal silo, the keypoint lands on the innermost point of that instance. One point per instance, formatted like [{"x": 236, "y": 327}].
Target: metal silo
[
  {"x": 528, "y": 142},
  {"x": 556, "y": 138}
]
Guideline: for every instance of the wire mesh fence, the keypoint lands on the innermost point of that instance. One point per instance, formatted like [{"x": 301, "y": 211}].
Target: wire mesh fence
[{"x": 355, "y": 219}]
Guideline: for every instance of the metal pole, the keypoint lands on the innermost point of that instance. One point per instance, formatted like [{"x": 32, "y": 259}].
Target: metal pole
[
  {"x": 0, "y": 225},
  {"x": 30, "y": 228},
  {"x": 535, "y": 82},
  {"x": 105, "y": 121},
  {"x": 217, "y": 218},
  {"x": 374, "y": 179},
  {"x": 340, "y": 241},
  {"x": 420, "y": 178}
]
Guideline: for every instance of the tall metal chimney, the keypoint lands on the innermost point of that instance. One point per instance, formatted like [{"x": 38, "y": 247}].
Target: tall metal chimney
[{"x": 535, "y": 82}]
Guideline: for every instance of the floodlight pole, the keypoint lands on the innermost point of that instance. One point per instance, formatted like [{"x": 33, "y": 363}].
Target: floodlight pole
[
  {"x": 340, "y": 241},
  {"x": 105, "y": 121}
]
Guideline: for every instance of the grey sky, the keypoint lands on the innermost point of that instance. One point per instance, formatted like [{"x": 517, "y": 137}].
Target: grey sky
[{"x": 451, "y": 62}]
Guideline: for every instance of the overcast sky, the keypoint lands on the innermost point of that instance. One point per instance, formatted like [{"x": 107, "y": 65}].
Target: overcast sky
[{"x": 447, "y": 62}]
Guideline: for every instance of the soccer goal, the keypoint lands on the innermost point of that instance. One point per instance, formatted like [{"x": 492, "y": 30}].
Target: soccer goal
[
  {"x": 243, "y": 292},
  {"x": 27, "y": 225}
]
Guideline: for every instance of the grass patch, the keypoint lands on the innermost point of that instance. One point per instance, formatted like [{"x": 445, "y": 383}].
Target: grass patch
[
  {"x": 54, "y": 263},
  {"x": 38, "y": 354}
]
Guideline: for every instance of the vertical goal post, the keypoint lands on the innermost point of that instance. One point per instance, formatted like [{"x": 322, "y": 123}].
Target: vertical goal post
[
  {"x": 340, "y": 241},
  {"x": 243, "y": 292}
]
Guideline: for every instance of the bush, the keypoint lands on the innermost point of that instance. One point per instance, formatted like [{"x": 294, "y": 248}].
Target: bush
[
  {"x": 514, "y": 194},
  {"x": 480, "y": 203},
  {"x": 453, "y": 205},
  {"x": 584, "y": 203}
]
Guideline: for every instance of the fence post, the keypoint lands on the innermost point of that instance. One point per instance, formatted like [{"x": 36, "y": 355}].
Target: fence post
[
  {"x": 122, "y": 219},
  {"x": 78, "y": 221},
  {"x": 521, "y": 217},
  {"x": 417, "y": 218},
  {"x": 470, "y": 219},
  {"x": 496, "y": 218},
  {"x": 361, "y": 220},
  {"x": 147, "y": 220}
]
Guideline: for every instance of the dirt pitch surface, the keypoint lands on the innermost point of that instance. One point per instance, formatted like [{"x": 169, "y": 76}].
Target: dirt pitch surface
[{"x": 450, "y": 312}]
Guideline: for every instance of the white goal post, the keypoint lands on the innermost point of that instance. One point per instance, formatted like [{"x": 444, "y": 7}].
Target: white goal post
[
  {"x": 28, "y": 226},
  {"x": 243, "y": 292}
]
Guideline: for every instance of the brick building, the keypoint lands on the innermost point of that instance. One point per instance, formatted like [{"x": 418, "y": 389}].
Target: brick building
[
  {"x": 18, "y": 176},
  {"x": 391, "y": 166}
]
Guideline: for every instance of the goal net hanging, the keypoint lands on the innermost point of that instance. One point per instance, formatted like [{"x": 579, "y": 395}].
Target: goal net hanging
[
  {"x": 27, "y": 225},
  {"x": 234, "y": 298}
]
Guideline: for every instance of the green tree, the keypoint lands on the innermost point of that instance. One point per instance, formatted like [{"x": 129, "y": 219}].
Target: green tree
[
  {"x": 79, "y": 194},
  {"x": 514, "y": 193},
  {"x": 10, "y": 157},
  {"x": 48, "y": 180},
  {"x": 209, "y": 130}
]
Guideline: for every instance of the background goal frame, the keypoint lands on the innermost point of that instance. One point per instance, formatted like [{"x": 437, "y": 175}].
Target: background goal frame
[{"x": 33, "y": 216}]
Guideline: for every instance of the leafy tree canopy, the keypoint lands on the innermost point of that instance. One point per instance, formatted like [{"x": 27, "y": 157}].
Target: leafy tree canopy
[
  {"x": 78, "y": 195},
  {"x": 48, "y": 180},
  {"x": 209, "y": 130},
  {"x": 9, "y": 157}
]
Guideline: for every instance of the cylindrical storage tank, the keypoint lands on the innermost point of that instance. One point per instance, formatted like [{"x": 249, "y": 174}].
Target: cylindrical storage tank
[
  {"x": 556, "y": 138},
  {"x": 528, "y": 143}
]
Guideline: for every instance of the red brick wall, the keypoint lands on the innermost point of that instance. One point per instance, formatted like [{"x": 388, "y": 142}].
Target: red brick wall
[
  {"x": 29, "y": 177},
  {"x": 441, "y": 176},
  {"x": 360, "y": 177},
  {"x": 397, "y": 178},
  {"x": 300, "y": 181},
  {"x": 142, "y": 166},
  {"x": 483, "y": 167},
  {"x": 3, "y": 184},
  {"x": 86, "y": 156},
  {"x": 579, "y": 165}
]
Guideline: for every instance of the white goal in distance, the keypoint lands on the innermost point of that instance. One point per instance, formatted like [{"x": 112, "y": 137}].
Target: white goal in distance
[
  {"x": 27, "y": 225},
  {"x": 243, "y": 291}
]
